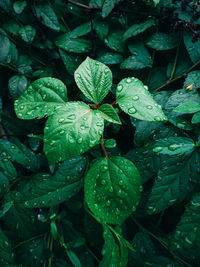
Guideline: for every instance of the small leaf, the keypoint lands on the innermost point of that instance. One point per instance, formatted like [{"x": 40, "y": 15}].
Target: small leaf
[
  {"x": 192, "y": 47},
  {"x": 48, "y": 15},
  {"x": 196, "y": 118},
  {"x": 192, "y": 82},
  {"x": 19, "y": 6},
  {"x": 27, "y": 33},
  {"x": 108, "y": 113},
  {"x": 6, "y": 253},
  {"x": 71, "y": 131},
  {"x": 41, "y": 99},
  {"x": 108, "y": 6},
  {"x": 114, "y": 41},
  {"x": 187, "y": 232},
  {"x": 75, "y": 45},
  {"x": 81, "y": 30},
  {"x": 110, "y": 58},
  {"x": 140, "y": 58},
  {"x": 71, "y": 62},
  {"x": 188, "y": 107},
  {"x": 162, "y": 41},
  {"x": 137, "y": 29},
  {"x": 17, "y": 85},
  {"x": 134, "y": 99},
  {"x": 112, "y": 189},
  {"x": 94, "y": 79},
  {"x": 47, "y": 191},
  {"x": 174, "y": 146}
]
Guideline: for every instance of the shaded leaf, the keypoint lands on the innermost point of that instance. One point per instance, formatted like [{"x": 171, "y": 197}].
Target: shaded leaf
[
  {"x": 192, "y": 47},
  {"x": 17, "y": 85},
  {"x": 188, "y": 107},
  {"x": 162, "y": 41},
  {"x": 108, "y": 113},
  {"x": 110, "y": 58},
  {"x": 27, "y": 33},
  {"x": 108, "y": 6}
]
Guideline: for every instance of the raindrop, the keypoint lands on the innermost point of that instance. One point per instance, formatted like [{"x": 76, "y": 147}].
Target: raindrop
[
  {"x": 21, "y": 107},
  {"x": 61, "y": 120},
  {"x": 158, "y": 149},
  {"x": 157, "y": 119},
  {"x": 117, "y": 211},
  {"x": 145, "y": 87},
  {"x": 128, "y": 80},
  {"x": 135, "y": 98},
  {"x": 132, "y": 110},
  {"x": 134, "y": 208},
  {"x": 99, "y": 124},
  {"x": 103, "y": 168},
  {"x": 103, "y": 182},
  {"x": 80, "y": 140},
  {"x": 108, "y": 203},
  {"x": 173, "y": 147},
  {"x": 121, "y": 182},
  {"x": 62, "y": 132},
  {"x": 111, "y": 189},
  {"x": 140, "y": 188},
  {"x": 149, "y": 107},
  {"x": 92, "y": 143},
  {"x": 72, "y": 117}
]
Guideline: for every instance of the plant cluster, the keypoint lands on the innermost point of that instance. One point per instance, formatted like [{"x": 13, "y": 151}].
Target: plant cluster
[{"x": 100, "y": 136}]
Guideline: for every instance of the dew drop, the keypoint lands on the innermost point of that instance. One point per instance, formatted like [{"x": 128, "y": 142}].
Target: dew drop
[
  {"x": 157, "y": 119},
  {"x": 61, "y": 120},
  {"x": 103, "y": 182},
  {"x": 140, "y": 188},
  {"x": 103, "y": 168},
  {"x": 21, "y": 107},
  {"x": 72, "y": 117},
  {"x": 111, "y": 189},
  {"x": 62, "y": 132},
  {"x": 108, "y": 203},
  {"x": 117, "y": 211},
  {"x": 134, "y": 208},
  {"x": 157, "y": 149},
  {"x": 173, "y": 147},
  {"x": 145, "y": 87},
  {"x": 128, "y": 80},
  {"x": 119, "y": 88},
  {"x": 121, "y": 182},
  {"x": 99, "y": 124},
  {"x": 80, "y": 140},
  {"x": 132, "y": 110},
  {"x": 149, "y": 107}
]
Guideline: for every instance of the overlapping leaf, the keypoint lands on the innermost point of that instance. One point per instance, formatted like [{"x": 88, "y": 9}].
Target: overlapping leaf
[{"x": 108, "y": 113}]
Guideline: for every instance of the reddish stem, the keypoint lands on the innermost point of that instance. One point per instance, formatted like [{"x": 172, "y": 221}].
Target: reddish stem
[
  {"x": 82, "y": 5},
  {"x": 114, "y": 102},
  {"x": 103, "y": 147}
]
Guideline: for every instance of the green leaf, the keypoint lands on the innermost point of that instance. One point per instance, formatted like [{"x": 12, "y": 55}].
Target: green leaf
[
  {"x": 19, "y": 6},
  {"x": 136, "y": 29},
  {"x": 81, "y": 30},
  {"x": 73, "y": 258},
  {"x": 162, "y": 41},
  {"x": 41, "y": 99},
  {"x": 174, "y": 146},
  {"x": 4, "y": 184},
  {"x": 192, "y": 47},
  {"x": 196, "y": 118},
  {"x": 111, "y": 250},
  {"x": 50, "y": 190},
  {"x": 8, "y": 52},
  {"x": 134, "y": 99},
  {"x": 140, "y": 58},
  {"x": 101, "y": 27},
  {"x": 187, "y": 232},
  {"x": 17, "y": 85},
  {"x": 188, "y": 107},
  {"x": 6, "y": 253},
  {"x": 108, "y": 6},
  {"x": 7, "y": 168},
  {"x": 108, "y": 113},
  {"x": 112, "y": 189},
  {"x": 114, "y": 41},
  {"x": 71, "y": 131},
  {"x": 173, "y": 183},
  {"x": 71, "y": 62},
  {"x": 5, "y": 208},
  {"x": 75, "y": 45},
  {"x": 94, "y": 79},
  {"x": 48, "y": 15},
  {"x": 27, "y": 33},
  {"x": 110, "y": 58}
]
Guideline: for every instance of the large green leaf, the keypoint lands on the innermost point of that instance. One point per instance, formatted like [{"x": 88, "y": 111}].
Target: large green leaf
[
  {"x": 48, "y": 15},
  {"x": 75, "y": 45},
  {"x": 71, "y": 62},
  {"x": 174, "y": 146},
  {"x": 6, "y": 253},
  {"x": 27, "y": 33},
  {"x": 134, "y": 98},
  {"x": 108, "y": 113},
  {"x": 71, "y": 131},
  {"x": 138, "y": 28},
  {"x": 41, "y": 98},
  {"x": 173, "y": 183},
  {"x": 162, "y": 41},
  {"x": 94, "y": 79},
  {"x": 112, "y": 189},
  {"x": 140, "y": 57},
  {"x": 187, "y": 232},
  {"x": 46, "y": 190}
]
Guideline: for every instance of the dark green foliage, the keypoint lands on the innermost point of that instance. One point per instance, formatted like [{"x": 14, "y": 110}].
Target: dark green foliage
[{"x": 100, "y": 135}]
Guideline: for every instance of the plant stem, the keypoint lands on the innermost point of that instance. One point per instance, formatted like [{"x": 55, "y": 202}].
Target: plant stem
[
  {"x": 175, "y": 62},
  {"x": 103, "y": 147},
  {"x": 160, "y": 240},
  {"x": 83, "y": 6},
  {"x": 179, "y": 77},
  {"x": 114, "y": 102}
]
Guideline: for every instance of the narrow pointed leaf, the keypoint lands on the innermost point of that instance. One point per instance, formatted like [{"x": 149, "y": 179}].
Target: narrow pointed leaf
[
  {"x": 174, "y": 146},
  {"x": 41, "y": 99},
  {"x": 112, "y": 189},
  {"x": 134, "y": 99},
  {"x": 71, "y": 131},
  {"x": 188, "y": 107},
  {"x": 94, "y": 79},
  {"x": 108, "y": 113},
  {"x": 6, "y": 253}
]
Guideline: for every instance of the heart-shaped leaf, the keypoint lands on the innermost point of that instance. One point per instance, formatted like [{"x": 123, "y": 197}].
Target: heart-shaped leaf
[
  {"x": 135, "y": 99},
  {"x": 71, "y": 131},
  {"x": 112, "y": 189},
  {"x": 94, "y": 79},
  {"x": 41, "y": 99}
]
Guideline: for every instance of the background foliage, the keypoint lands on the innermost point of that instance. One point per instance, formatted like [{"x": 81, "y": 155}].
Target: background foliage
[{"x": 44, "y": 218}]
